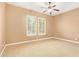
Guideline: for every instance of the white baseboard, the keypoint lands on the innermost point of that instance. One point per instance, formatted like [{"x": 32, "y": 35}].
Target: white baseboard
[
  {"x": 2, "y": 49},
  {"x": 71, "y": 41},
  {"x": 28, "y": 41}
]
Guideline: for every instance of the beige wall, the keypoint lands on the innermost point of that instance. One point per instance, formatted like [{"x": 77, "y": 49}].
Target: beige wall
[
  {"x": 2, "y": 25},
  {"x": 16, "y": 24},
  {"x": 67, "y": 24}
]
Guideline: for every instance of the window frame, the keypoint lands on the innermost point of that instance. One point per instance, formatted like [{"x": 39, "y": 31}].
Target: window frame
[
  {"x": 36, "y": 26},
  {"x": 44, "y": 19},
  {"x": 32, "y": 34}
]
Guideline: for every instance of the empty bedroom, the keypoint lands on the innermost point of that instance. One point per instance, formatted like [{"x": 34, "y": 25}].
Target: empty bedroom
[{"x": 39, "y": 29}]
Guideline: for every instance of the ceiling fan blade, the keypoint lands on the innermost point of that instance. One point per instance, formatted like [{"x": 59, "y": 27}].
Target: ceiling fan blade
[
  {"x": 54, "y": 6},
  {"x": 43, "y": 7},
  {"x": 44, "y": 11},
  {"x": 56, "y": 9}
]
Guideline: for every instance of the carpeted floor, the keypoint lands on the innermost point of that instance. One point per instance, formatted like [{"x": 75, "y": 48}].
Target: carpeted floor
[{"x": 46, "y": 48}]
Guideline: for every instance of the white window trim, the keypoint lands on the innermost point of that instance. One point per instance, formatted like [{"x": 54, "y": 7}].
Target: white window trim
[
  {"x": 33, "y": 34},
  {"x": 44, "y": 26},
  {"x": 37, "y": 33}
]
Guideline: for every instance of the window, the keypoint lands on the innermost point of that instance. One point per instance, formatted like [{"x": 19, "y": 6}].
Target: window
[
  {"x": 36, "y": 26},
  {"x": 31, "y": 26},
  {"x": 41, "y": 26}
]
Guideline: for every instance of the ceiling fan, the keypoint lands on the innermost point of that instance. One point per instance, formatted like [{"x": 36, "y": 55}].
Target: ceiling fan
[{"x": 50, "y": 8}]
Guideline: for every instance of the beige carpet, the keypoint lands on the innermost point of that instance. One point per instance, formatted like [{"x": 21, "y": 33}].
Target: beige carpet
[{"x": 46, "y": 48}]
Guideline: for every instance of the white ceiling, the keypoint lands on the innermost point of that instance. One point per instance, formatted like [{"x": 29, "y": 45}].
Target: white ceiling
[{"x": 36, "y": 6}]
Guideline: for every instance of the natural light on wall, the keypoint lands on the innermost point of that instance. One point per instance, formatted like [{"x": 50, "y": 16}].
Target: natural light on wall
[{"x": 35, "y": 26}]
